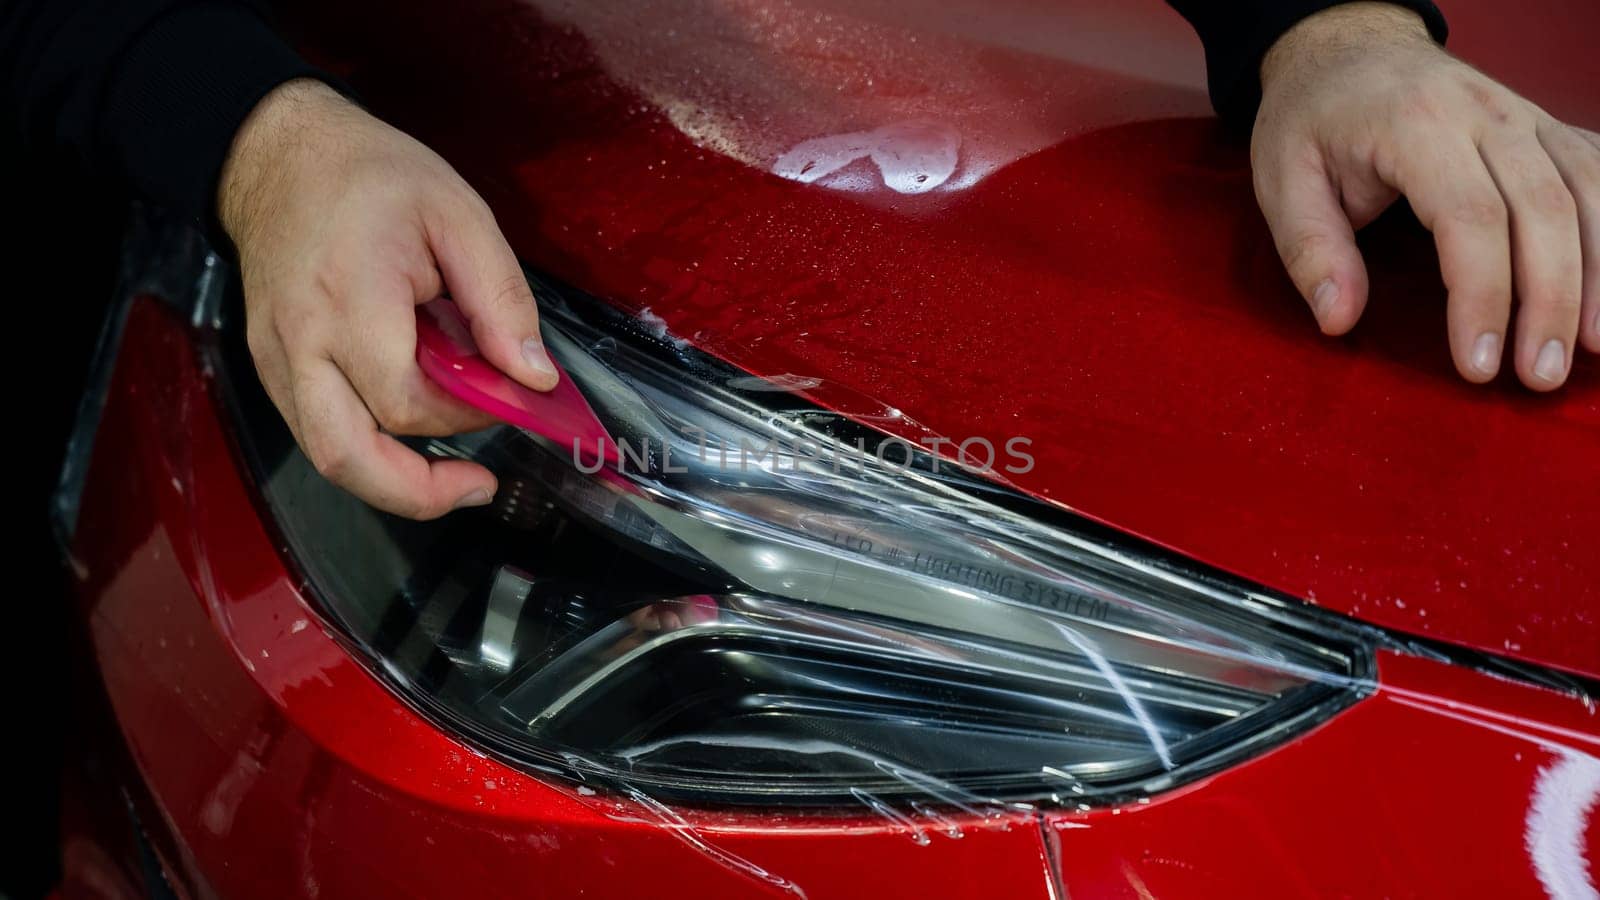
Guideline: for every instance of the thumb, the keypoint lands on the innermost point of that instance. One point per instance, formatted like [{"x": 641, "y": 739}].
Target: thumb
[
  {"x": 1316, "y": 242},
  {"x": 487, "y": 283}
]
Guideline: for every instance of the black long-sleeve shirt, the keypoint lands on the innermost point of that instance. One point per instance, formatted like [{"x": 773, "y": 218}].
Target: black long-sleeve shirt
[
  {"x": 149, "y": 93},
  {"x": 1238, "y": 33}
]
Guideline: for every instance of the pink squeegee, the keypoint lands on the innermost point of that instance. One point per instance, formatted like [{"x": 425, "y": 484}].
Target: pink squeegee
[{"x": 448, "y": 355}]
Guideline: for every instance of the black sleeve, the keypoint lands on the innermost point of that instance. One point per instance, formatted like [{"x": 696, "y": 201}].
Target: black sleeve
[
  {"x": 1238, "y": 33},
  {"x": 144, "y": 93}
]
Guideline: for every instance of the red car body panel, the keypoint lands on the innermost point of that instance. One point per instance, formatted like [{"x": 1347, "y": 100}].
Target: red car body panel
[
  {"x": 1093, "y": 275},
  {"x": 268, "y": 763}
]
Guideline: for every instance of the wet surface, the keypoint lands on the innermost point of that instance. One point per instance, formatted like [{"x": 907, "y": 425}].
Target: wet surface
[
  {"x": 1080, "y": 263},
  {"x": 253, "y": 730},
  {"x": 254, "y": 726}
]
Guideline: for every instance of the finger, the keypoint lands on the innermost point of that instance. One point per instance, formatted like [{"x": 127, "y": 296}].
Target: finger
[
  {"x": 1578, "y": 159},
  {"x": 1454, "y": 196},
  {"x": 1547, "y": 256},
  {"x": 485, "y": 280},
  {"x": 343, "y": 442},
  {"x": 1314, "y": 238},
  {"x": 379, "y": 359}
]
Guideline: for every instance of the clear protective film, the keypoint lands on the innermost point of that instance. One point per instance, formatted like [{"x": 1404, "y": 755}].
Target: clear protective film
[
  {"x": 703, "y": 606},
  {"x": 745, "y": 600}
]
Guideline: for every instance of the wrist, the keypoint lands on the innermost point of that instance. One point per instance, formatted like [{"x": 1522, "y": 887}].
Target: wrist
[
  {"x": 1348, "y": 30},
  {"x": 284, "y": 120}
]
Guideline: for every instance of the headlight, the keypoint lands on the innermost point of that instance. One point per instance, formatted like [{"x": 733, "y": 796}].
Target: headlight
[{"x": 757, "y": 608}]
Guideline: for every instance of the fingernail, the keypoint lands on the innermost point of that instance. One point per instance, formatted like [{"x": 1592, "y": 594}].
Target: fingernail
[
  {"x": 1323, "y": 298},
  {"x": 1486, "y": 353},
  {"x": 537, "y": 358},
  {"x": 479, "y": 497},
  {"x": 1552, "y": 363}
]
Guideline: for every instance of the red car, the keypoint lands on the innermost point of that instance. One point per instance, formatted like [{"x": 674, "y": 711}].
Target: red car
[{"x": 948, "y": 496}]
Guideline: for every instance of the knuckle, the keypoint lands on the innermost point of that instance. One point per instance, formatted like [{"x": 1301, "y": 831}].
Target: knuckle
[
  {"x": 457, "y": 202},
  {"x": 1422, "y": 100},
  {"x": 393, "y": 411},
  {"x": 331, "y": 460},
  {"x": 1491, "y": 101},
  {"x": 1303, "y": 249},
  {"x": 512, "y": 295},
  {"x": 295, "y": 333},
  {"x": 474, "y": 205},
  {"x": 1553, "y": 303},
  {"x": 1584, "y": 160},
  {"x": 332, "y": 276},
  {"x": 394, "y": 417},
  {"x": 1480, "y": 210},
  {"x": 1587, "y": 165},
  {"x": 327, "y": 281},
  {"x": 403, "y": 415},
  {"x": 1549, "y": 198},
  {"x": 412, "y": 507},
  {"x": 261, "y": 339}
]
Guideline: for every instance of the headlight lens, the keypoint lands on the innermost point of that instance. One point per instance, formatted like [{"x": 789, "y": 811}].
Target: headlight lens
[{"x": 756, "y": 608}]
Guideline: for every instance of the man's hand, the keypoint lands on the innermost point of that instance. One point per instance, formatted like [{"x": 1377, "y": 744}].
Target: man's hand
[
  {"x": 343, "y": 225},
  {"x": 1359, "y": 106}
]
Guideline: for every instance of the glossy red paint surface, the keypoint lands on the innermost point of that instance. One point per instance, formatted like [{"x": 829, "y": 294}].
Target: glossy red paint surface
[
  {"x": 270, "y": 764},
  {"x": 1082, "y": 264}
]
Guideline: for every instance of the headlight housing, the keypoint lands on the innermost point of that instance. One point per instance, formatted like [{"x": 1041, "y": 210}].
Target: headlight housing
[{"x": 706, "y": 619}]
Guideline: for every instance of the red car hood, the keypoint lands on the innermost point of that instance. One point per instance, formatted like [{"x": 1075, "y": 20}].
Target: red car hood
[{"x": 1017, "y": 220}]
